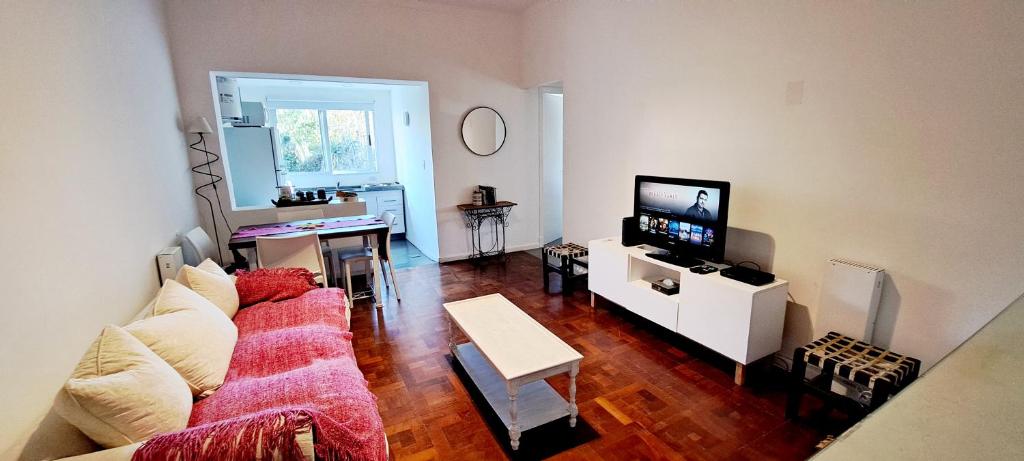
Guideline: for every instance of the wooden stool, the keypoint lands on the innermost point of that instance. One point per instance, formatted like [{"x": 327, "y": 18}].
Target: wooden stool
[
  {"x": 883, "y": 373},
  {"x": 569, "y": 260}
]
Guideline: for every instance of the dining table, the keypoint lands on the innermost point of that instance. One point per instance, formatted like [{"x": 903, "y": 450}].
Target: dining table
[{"x": 369, "y": 226}]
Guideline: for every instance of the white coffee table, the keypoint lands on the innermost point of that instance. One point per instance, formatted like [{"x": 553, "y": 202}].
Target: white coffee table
[{"x": 508, "y": 357}]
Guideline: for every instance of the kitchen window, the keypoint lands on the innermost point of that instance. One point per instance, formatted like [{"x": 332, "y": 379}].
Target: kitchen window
[{"x": 325, "y": 138}]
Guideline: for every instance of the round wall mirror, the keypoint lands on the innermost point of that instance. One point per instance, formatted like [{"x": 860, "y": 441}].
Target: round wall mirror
[{"x": 483, "y": 131}]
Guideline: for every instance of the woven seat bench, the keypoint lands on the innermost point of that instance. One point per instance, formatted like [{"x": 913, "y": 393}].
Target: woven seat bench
[
  {"x": 568, "y": 260},
  {"x": 877, "y": 373}
]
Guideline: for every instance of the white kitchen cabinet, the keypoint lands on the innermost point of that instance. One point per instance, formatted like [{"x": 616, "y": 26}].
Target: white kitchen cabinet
[{"x": 379, "y": 201}]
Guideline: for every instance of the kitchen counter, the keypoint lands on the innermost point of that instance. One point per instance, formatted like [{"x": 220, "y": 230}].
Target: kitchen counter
[
  {"x": 261, "y": 215},
  {"x": 356, "y": 189},
  {"x": 377, "y": 198}
]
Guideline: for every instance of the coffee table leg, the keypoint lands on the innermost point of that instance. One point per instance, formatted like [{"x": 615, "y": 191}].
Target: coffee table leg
[
  {"x": 573, "y": 410},
  {"x": 513, "y": 428}
]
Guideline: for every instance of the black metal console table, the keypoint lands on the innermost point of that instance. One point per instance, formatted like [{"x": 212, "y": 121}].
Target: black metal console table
[{"x": 476, "y": 217}]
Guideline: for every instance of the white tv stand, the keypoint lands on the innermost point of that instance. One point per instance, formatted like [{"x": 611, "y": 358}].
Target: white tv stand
[{"x": 740, "y": 321}]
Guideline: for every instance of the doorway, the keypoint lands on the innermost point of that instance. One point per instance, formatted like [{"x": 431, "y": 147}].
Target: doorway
[{"x": 551, "y": 128}]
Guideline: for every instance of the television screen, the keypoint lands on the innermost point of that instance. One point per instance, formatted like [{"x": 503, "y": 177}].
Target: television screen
[
  {"x": 692, "y": 203},
  {"x": 688, "y": 216}
]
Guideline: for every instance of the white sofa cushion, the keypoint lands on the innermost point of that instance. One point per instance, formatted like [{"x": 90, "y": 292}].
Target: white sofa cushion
[
  {"x": 210, "y": 281},
  {"x": 122, "y": 393},
  {"x": 191, "y": 334}
]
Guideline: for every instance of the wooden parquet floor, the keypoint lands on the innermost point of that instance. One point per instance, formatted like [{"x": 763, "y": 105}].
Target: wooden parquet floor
[{"x": 648, "y": 393}]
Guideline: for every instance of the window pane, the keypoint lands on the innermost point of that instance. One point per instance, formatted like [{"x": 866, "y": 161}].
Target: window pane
[
  {"x": 351, "y": 141},
  {"x": 302, "y": 149}
]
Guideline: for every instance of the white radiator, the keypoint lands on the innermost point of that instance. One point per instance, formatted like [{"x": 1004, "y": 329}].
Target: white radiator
[{"x": 850, "y": 293}]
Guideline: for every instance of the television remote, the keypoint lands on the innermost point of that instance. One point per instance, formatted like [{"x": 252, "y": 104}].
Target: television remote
[{"x": 705, "y": 269}]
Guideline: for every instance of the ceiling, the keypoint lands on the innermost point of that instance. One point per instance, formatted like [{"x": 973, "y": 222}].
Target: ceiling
[{"x": 513, "y": 6}]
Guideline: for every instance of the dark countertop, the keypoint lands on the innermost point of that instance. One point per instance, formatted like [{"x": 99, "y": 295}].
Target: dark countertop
[{"x": 357, "y": 189}]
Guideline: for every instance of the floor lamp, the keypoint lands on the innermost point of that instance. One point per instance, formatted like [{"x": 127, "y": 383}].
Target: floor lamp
[{"x": 202, "y": 128}]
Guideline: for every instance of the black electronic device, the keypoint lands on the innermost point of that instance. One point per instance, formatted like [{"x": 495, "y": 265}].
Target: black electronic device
[
  {"x": 748, "y": 275},
  {"x": 630, "y": 232},
  {"x": 676, "y": 259},
  {"x": 687, "y": 217},
  {"x": 705, "y": 269},
  {"x": 666, "y": 286}
]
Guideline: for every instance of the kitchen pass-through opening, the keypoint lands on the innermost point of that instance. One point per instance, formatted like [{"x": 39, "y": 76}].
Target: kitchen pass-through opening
[{"x": 325, "y": 135}]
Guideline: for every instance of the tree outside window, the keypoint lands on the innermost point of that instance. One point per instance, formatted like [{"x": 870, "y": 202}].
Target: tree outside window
[
  {"x": 345, "y": 135},
  {"x": 301, "y": 143},
  {"x": 351, "y": 141}
]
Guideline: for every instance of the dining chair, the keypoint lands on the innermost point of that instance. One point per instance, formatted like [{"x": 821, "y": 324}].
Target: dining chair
[
  {"x": 299, "y": 249},
  {"x": 365, "y": 255},
  {"x": 325, "y": 245},
  {"x": 196, "y": 247}
]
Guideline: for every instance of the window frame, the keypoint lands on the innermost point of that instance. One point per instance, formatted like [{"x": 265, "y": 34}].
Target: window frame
[{"x": 322, "y": 107}]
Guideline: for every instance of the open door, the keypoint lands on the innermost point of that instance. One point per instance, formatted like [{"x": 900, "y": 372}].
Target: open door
[{"x": 551, "y": 163}]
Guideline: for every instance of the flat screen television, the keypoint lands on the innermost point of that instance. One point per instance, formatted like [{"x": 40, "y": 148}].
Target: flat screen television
[{"x": 687, "y": 217}]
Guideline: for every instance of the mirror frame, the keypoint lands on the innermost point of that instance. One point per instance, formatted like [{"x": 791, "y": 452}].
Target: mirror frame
[{"x": 462, "y": 129}]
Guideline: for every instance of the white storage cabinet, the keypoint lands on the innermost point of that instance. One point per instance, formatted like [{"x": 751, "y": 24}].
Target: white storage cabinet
[{"x": 740, "y": 321}]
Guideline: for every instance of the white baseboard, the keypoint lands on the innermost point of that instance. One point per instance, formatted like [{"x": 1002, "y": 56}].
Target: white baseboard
[{"x": 462, "y": 256}]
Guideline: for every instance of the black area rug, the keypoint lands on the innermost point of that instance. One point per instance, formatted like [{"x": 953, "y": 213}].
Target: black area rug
[{"x": 538, "y": 443}]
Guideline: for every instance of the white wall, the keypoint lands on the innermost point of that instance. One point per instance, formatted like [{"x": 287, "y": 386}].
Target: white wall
[
  {"x": 469, "y": 58},
  {"x": 902, "y": 146},
  {"x": 96, "y": 183},
  {"x": 416, "y": 165},
  {"x": 551, "y": 168}
]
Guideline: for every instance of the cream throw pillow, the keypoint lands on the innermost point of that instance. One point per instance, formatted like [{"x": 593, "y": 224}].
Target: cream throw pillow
[
  {"x": 210, "y": 281},
  {"x": 191, "y": 335},
  {"x": 122, "y": 393}
]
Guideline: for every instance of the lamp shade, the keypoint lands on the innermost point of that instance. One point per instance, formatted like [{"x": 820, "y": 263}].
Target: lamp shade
[{"x": 200, "y": 125}]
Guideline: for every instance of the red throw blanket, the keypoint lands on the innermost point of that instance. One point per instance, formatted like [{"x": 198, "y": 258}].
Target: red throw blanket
[
  {"x": 276, "y": 284},
  {"x": 293, "y": 365}
]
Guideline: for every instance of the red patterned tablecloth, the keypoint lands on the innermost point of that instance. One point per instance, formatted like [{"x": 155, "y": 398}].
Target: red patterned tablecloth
[{"x": 302, "y": 226}]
